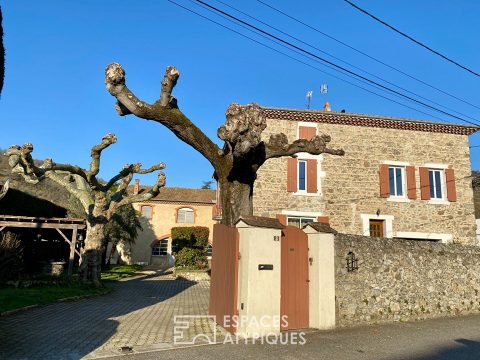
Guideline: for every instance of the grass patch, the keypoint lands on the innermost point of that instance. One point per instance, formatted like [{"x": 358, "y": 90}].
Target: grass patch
[
  {"x": 16, "y": 298},
  {"x": 117, "y": 272}
]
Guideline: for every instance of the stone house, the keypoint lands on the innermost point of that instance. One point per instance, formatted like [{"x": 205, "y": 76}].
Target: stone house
[
  {"x": 173, "y": 207},
  {"x": 476, "y": 197},
  {"x": 399, "y": 178}
]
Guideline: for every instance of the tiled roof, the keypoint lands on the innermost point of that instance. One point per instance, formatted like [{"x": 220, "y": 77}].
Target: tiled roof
[
  {"x": 183, "y": 195},
  {"x": 259, "y": 221},
  {"x": 330, "y": 117},
  {"x": 321, "y": 227}
]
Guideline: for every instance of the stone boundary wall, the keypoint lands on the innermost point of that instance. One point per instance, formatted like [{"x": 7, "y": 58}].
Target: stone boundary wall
[{"x": 404, "y": 280}]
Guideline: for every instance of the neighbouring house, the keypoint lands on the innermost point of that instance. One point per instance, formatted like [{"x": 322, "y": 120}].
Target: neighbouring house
[
  {"x": 476, "y": 198},
  {"x": 173, "y": 207},
  {"x": 399, "y": 178}
]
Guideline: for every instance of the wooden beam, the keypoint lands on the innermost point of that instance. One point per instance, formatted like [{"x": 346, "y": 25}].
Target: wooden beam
[
  {"x": 67, "y": 240},
  {"x": 1, "y": 228},
  {"x": 38, "y": 225},
  {"x": 72, "y": 252}
]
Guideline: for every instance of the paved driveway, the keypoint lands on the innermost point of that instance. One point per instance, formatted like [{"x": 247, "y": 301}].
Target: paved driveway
[{"x": 139, "y": 313}]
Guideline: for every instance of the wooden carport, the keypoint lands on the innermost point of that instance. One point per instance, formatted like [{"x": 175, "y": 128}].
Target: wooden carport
[{"x": 58, "y": 224}]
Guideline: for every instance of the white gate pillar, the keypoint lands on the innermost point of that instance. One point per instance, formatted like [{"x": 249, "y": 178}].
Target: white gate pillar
[{"x": 321, "y": 273}]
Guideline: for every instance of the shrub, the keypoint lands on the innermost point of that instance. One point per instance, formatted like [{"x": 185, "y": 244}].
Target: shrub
[
  {"x": 191, "y": 258},
  {"x": 11, "y": 257},
  {"x": 192, "y": 237}
]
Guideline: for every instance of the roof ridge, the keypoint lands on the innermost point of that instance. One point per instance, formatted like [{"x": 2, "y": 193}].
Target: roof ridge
[{"x": 371, "y": 116}]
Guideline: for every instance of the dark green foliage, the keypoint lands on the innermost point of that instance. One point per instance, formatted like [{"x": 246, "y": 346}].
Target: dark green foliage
[
  {"x": 207, "y": 185},
  {"x": 11, "y": 257},
  {"x": 191, "y": 258},
  {"x": 123, "y": 226},
  {"x": 193, "y": 237}
]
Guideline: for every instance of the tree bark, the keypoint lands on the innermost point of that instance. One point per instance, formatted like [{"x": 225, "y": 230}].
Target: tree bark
[
  {"x": 91, "y": 267},
  {"x": 236, "y": 200}
]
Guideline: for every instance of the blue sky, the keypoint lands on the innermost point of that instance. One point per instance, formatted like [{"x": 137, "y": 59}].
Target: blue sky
[{"x": 54, "y": 94}]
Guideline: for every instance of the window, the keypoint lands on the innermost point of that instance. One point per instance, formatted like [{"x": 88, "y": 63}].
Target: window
[
  {"x": 147, "y": 212},
  {"x": 160, "y": 248},
  {"x": 396, "y": 177},
  {"x": 185, "y": 216},
  {"x": 435, "y": 177},
  {"x": 298, "y": 221},
  {"x": 302, "y": 175}
]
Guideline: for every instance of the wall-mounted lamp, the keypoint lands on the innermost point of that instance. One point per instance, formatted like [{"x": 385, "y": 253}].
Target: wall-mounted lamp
[{"x": 352, "y": 262}]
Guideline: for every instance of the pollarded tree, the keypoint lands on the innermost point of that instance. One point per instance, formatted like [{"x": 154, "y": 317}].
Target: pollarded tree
[
  {"x": 237, "y": 163},
  {"x": 98, "y": 201}
]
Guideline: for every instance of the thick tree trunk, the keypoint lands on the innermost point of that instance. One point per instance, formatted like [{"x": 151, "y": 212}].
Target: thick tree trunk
[
  {"x": 91, "y": 267},
  {"x": 236, "y": 199}
]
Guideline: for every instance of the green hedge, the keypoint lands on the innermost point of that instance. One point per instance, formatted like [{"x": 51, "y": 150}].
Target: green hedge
[
  {"x": 189, "y": 245},
  {"x": 192, "y": 237},
  {"x": 191, "y": 258}
]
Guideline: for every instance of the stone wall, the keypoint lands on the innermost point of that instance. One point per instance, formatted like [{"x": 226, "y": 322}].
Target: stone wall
[
  {"x": 400, "y": 280},
  {"x": 350, "y": 184}
]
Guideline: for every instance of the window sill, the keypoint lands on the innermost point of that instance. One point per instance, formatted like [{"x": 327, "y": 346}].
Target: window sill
[
  {"x": 306, "y": 194},
  {"x": 438, "y": 202},
  {"x": 160, "y": 255},
  {"x": 399, "y": 199}
]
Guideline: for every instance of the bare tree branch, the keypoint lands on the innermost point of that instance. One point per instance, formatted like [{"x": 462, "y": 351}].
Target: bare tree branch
[
  {"x": 144, "y": 196},
  {"x": 85, "y": 196},
  {"x": 278, "y": 146},
  {"x": 107, "y": 140},
  {"x": 132, "y": 169},
  {"x": 164, "y": 111}
]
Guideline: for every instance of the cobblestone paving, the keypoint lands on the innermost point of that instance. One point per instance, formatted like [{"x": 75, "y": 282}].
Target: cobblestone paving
[{"x": 139, "y": 314}]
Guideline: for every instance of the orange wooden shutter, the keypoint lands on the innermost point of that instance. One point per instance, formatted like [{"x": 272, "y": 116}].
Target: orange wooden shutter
[
  {"x": 411, "y": 186},
  {"x": 312, "y": 176},
  {"x": 424, "y": 183},
  {"x": 306, "y": 132},
  {"x": 323, "y": 219},
  {"x": 292, "y": 175},
  {"x": 384, "y": 181},
  {"x": 282, "y": 219},
  {"x": 451, "y": 190}
]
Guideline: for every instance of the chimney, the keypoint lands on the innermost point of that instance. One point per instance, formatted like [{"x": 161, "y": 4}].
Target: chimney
[
  {"x": 136, "y": 187},
  {"x": 326, "y": 107}
]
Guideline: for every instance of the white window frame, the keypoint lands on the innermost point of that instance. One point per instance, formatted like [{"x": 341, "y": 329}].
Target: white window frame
[
  {"x": 158, "y": 245},
  {"x": 387, "y": 221},
  {"x": 304, "y": 191},
  {"x": 443, "y": 187},
  {"x": 301, "y": 214},
  {"x": 151, "y": 211},
  {"x": 186, "y": 209},
  {"x": 301, "y": 217},
  {"x": 403, "y": 180},
  {"x": 442, "y": 168},
  {"x": 403, "y": 165}
]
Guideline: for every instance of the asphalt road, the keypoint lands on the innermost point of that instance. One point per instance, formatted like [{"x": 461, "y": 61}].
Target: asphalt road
[{"x": 440, "y": 339}]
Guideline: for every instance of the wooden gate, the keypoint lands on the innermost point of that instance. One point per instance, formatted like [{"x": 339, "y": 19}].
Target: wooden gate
[
  {"x": 224, "y": 275},
  {"x": 294, "y": 278}
]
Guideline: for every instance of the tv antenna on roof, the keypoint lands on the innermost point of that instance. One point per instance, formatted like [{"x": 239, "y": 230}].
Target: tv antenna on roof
[{"x": 309, "y": 98}]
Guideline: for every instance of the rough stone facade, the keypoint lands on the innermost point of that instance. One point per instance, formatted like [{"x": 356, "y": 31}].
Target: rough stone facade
[
  {"x": 399, "y": 280},
  {"x": 349, "y": 185}
]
